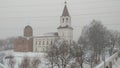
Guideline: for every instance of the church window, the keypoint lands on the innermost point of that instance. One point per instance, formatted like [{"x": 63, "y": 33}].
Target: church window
[
  {"x": 51, "y": 42},
  {"x": 47, "y": 42},
  {"x": 43, "y": 42},
  {"x": 36, "y": 49},
  {"x": 39, "y": 42},
  {"x": 66, "y": 19},
  {"x": 43, "y": 49},
  {"x": 63, "y": 20},
  {"x": 36, "y": 42}
]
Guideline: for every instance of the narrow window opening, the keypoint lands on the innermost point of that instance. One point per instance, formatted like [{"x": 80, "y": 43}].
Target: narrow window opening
[
  {"x": 51, "y": 42},
  {"x": 39, "y": 42},
  {"x": 66, "y": 19},
  {"x": 36, "y": 42},
  {"x": 43, "y": 42},
  {"x": 47, "y": 42},
  {"x": 63, "y": 20}
]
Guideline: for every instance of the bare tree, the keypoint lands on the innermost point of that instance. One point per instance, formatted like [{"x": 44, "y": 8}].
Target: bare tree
[
  {"x": 84, "y": 39},
  {"x": 64, "y": 54},
  {"x": 97, "y": 39},
  {"x": 113, "y": 40},
  {"x": 79, "y": 55},
  {"x": 52, "y": 55},
  {"x": 25, "y": 63},
  {"x": 11, "y": 62},
  {"x": 93, "y": 37},
  {"x": 59, "y": 54},
  {"x": 74, "y": 65},
  {"x": 83, "y": 48},
  {"x": 30, "y": 63},
  {"x": 35, "y": 62}
]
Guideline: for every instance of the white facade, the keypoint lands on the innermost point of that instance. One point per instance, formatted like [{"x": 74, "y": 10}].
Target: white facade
[
  {"x": 65, "y": 20},
  {"x": 65, "y": 32},
  {"x": 41, "y": 44}
]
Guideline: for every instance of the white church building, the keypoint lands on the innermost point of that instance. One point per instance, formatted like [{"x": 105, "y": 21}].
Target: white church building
[{"x": 65, "y": 32}]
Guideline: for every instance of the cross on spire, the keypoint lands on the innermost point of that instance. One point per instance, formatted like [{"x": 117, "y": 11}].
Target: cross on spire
[
  {"x": 65, "y": 10},
  {"x": 65, "y": 2}
]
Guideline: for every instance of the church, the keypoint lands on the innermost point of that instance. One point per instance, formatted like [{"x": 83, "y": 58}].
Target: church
[{"x": 30, "y": 43}]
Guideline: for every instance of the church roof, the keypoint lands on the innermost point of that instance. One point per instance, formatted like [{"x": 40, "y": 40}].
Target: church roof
[
  {"x": 51, "y": 34},
  {"x": 65, "y": 27},
  {"x": 28, "y": 26},
  {"x": 65, "y": 11}
]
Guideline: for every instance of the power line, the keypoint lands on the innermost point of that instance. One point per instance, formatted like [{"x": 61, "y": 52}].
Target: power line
[
  {"x": 54, "y": 8},
  {"x": 100, "y": 13},
  {"x": 75, "y": 26},
  {"x": 96, "y": 1},
  {"x": 54, "y": 3}
]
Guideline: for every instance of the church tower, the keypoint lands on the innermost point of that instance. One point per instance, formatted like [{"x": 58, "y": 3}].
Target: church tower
[{"x": 65, "y": 31}]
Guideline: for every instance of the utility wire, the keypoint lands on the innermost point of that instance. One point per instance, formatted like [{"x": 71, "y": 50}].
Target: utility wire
[{"x": 45, "y": 17}]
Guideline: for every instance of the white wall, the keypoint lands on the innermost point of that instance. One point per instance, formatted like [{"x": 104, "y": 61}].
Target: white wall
[{"x": 41, "y": 44}]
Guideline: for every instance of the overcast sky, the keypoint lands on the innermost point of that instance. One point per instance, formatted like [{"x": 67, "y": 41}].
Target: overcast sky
[{"x": 44, "y": 15}]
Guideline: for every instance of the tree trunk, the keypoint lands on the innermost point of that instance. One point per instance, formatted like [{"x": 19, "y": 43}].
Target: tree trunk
[
  {"x": 81, "y": 64},
  {"x": 62, "y": 64},
  {"x": 91, "y": 63},
  {"x": 52, "y": 65}
]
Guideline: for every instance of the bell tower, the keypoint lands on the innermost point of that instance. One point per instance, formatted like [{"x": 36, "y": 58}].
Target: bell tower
[{"x": 65, "y": 31}]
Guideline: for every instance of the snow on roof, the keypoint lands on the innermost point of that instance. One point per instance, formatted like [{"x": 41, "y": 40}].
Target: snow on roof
[{"x": 51, "y": 34}]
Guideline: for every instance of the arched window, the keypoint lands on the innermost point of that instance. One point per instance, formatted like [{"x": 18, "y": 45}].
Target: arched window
[
  {"x": 63, "y": 20},
  {"x": 43, "y": 42},
  {"x": 43, "y": 49},
  {"x": 51, "y": 42},
  {"x": 66, "y": 19},
  {"x": 47, "y": 43},
  {"x": 36, "y": 42},
  {"x": 36, "y": 49},
  {"x": 39, "y": 42}
]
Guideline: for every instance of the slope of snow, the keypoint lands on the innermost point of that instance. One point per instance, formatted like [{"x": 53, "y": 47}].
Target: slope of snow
[
  {"x": 117, "y": 64},
  {"x": 18, "y": 57}
]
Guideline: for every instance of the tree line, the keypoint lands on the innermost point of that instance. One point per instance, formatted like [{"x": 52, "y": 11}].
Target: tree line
[{"x": 95, "y": 42}]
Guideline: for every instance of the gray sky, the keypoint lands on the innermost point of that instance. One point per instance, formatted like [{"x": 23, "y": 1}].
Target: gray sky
[{"x": 44, "y": 15}]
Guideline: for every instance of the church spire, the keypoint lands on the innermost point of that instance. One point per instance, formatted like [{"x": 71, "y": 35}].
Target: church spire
[{"x": 65, "y": 11}]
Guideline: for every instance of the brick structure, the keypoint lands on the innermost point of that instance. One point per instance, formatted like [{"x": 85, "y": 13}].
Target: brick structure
[
  {"x": 25, "y": 43},
  {"x": 28, "y": 32}
]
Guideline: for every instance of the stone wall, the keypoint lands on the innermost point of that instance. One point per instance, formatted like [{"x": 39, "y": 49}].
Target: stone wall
[{"x": 23, "y": 44}]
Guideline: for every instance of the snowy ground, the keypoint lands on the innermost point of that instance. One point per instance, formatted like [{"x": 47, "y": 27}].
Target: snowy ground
[
  {"x": 117, "y": 64},
  {"x": 44, "y": 62},
  {"x": 18, "y": 56}
]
